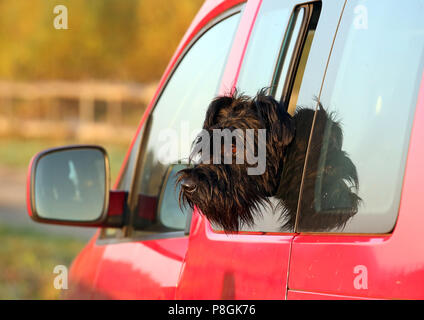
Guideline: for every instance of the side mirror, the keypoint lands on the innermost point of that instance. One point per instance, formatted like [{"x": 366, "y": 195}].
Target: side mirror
[
  {"x": 70, "y": 185},
  {"x": 170, "y": 214}
]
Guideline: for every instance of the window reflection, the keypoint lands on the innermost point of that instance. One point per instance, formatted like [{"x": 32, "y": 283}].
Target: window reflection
[
  {"x": 371, "y": 85},
  {"x": 330, "y": 183},
  {"x": 262, "y": 52}
]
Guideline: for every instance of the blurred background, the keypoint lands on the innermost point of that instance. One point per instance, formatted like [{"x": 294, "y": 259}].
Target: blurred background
[{"x": 89, "y": 83}]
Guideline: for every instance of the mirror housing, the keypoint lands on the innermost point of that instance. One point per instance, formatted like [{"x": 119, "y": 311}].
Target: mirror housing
[{"x": 71, "y": 186}]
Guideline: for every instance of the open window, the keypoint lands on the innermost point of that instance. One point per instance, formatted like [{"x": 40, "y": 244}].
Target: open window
[
  {"x": 294, "y": 53},
  {"x": 276, "y": 57},
  {"x": 171, "y": 127}
]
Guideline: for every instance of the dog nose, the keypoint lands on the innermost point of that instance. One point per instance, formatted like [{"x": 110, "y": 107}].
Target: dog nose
[{"x": 188, "y": 184}]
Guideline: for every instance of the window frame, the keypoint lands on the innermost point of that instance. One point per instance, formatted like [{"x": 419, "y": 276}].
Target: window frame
[
  {"x": 128, "y": 232},
  {"x": 310, "y": 8},
  {"x": 298, "y": 50},
  {"x": 405, "y": 152}
]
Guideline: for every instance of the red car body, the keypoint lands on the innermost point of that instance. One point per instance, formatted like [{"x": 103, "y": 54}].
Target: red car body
[{"x": 208, "y": 264}]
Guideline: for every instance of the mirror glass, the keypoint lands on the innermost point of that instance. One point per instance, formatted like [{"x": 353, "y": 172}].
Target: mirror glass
[
  {"x": 170, "y": 213},
  {"x": 70, "y": 184}
]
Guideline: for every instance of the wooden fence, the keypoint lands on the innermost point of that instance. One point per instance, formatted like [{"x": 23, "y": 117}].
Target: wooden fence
[{"x": 83, "y": 111}]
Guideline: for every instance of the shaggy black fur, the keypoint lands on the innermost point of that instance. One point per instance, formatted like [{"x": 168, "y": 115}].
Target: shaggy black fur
[
  {"x": 330, "y": 184},
  {"x": 229, "y": 197}
]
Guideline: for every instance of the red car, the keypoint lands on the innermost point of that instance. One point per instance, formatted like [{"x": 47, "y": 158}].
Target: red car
[{"x": 363, "y": 60}]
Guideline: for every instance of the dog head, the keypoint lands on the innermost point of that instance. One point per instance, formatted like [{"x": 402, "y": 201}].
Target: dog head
[{"x": 241, "y": 150}]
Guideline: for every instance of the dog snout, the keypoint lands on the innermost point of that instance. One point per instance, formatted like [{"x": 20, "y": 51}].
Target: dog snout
[{"x": 188, "y": 184}]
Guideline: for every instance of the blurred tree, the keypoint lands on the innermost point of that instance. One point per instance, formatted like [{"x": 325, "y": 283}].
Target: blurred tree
[{"x": 119, "y": 40}]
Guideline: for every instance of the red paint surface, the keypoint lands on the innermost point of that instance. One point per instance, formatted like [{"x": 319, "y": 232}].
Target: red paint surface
[
  {"x": 212, "y": 265},
  {"x": 28, "y": 186},
  {"x": 238, "y": 51},
  {"x": 140, "y": 269},
  {"x": 220, "y": 266},
  {"x": 395, "y": 263},
  {"x": 83, "y": 271},
  {"x": 301, "y": 295}
]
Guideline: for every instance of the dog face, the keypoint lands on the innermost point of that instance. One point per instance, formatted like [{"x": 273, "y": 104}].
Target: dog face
[{"x": 243, "y": 130}]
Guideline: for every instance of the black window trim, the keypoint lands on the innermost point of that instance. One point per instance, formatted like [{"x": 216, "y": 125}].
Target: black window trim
[{"x": 309, "y": 8}]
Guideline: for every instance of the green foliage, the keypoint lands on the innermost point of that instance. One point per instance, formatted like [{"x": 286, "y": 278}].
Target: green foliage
[
  {"x": 122, "y": 40},
  {"x": 27, "y": 260}
]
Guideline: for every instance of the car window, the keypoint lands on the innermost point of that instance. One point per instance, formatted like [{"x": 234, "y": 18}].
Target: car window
[
  {"x": 276, "y": 55},
  {"x": 178, "y": 117},
  {"x": 358, "y": 149},
  {"x": 126, "y": 177},
  {"x": 124, "y": 184},
  {"x": 264, "y": 44},
  {"x": 293, "y": 30}
]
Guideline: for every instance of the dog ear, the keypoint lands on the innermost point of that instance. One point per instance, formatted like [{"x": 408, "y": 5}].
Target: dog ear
[
  {"x": 217, "y": 105},
  {"x": 279, "y": 122},
  {"x": 285, "y": 131}
]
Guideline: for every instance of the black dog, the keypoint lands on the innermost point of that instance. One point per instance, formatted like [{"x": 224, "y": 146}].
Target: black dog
[
  {"x": 330, "y": 183},
  {"x": 230, "y": 197}
]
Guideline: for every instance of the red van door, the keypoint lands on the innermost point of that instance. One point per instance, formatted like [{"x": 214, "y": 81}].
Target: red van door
[
  {"x": 144, "y": 259},
  {"x": 373, "y": 87},
  {"x": 253, "y": 263}
]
